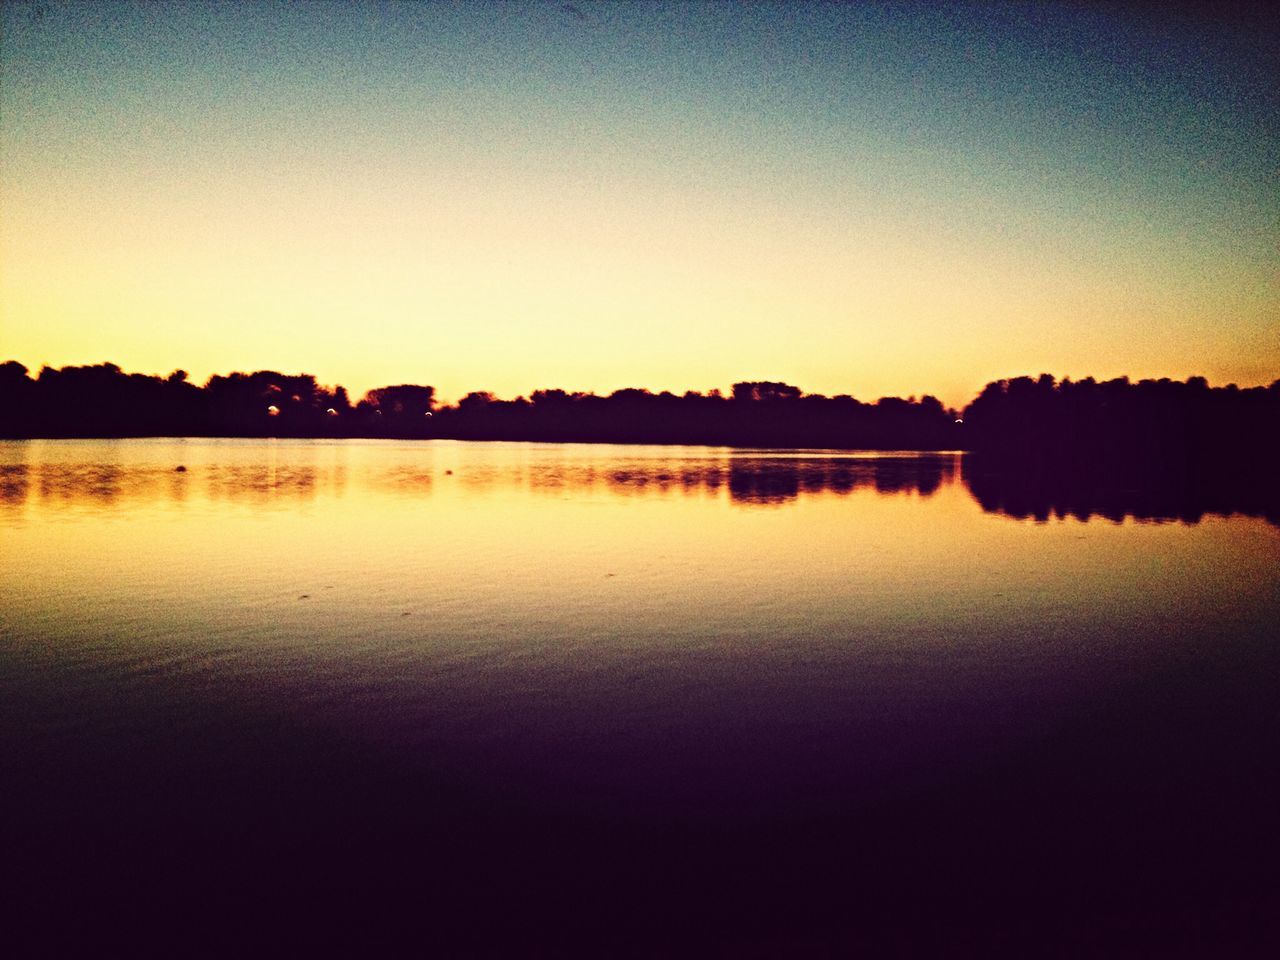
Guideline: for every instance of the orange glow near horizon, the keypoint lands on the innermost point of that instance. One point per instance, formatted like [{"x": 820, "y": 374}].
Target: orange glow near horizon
[{"x": 541, "y": 236}]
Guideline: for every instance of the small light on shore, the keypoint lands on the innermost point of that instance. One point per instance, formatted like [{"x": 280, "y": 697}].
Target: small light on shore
[
  {"x": 959, "y": 421},
  {"x": 331, "y": 412},
  {"x": 273, "y": 411}
]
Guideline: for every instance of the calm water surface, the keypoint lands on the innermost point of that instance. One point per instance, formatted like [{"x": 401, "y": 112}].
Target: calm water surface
[{"x": 639, "y": 699}]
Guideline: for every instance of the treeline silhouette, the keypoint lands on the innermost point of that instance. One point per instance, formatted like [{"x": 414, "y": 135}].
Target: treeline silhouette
[
  {"x": 1078, "y": 423},
  {"x": 103, "y": 401},
  {"x": 1072, "y": 424}
]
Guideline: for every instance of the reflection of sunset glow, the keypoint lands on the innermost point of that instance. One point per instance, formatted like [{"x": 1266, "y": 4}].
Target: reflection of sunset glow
[
  {"x": 390, "y": 473},
  {"x": 728, "y": 521},
  {"x": 620, "y": 639}
]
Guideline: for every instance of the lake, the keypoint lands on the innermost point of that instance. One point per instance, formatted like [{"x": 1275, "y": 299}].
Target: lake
[{"x": 539, "y": 699}]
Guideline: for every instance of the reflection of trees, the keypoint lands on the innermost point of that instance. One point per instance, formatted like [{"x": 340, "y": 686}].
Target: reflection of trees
[
  {"x": 1040, "y": 491},
  {"x": 13, "y": 483},
  {"x": 777, "y": 481},
  {"x": 261, "y": 482},
  {"x": 760, "y": 480},
  {"x": 1019, "y": 490},
  {"x": 767, "y": 483},
  {"x": 101, "y": 483},
  {"x": 69, "y": 484}
]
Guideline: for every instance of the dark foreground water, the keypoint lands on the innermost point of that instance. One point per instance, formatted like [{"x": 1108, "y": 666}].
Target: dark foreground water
[{"x": 522, "y": 700}]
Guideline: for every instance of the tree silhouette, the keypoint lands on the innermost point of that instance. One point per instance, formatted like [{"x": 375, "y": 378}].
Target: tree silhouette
[{"x": 1023, "y": 419}]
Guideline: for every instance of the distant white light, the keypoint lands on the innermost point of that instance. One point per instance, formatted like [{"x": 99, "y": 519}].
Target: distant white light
[
  {"x": 332, "y": 412},
  {"x": 273, "y": 411},
  {"x": 959, "y": 421}
]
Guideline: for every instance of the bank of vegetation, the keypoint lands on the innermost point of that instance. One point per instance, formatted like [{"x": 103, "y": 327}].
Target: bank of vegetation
[{"x": 1076, "y": 422}]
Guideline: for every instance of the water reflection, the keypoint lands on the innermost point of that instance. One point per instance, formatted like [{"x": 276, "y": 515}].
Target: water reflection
[
  {"x": 258, "y": 483},
  {"x": 116, "y": 474},
  {"x": 779, "y": 481},
  {"x": 13, "y": 483},
  {"x": 408, "y": 672},
  {"x": 104, "y": 484},
  {"x": 1114, "y": 494},
  {"x": 755, "y": 479}
]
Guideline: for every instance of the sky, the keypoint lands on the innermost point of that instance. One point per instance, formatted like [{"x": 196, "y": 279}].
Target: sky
[{"x": 871, "y": 199}]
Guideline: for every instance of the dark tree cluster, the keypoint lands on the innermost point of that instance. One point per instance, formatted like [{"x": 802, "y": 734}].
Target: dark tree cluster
[
  {"x": 1075, "y": 425},
  {"x": 755, "y": 415},
  {"x": 94, "y": 402},
  {"x": 103, "y": 401},
  {"x": 1078, "y": 424}
]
